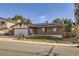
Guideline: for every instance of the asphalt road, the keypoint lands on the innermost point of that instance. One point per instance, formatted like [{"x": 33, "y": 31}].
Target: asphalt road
[
  {"x": 24, "y": 49},
  {"x": 13, "y": 48}
]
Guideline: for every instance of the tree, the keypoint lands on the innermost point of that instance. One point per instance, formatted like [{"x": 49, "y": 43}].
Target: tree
[
  {"x": 28, "y": 21},
  {"x": 8, "y": 19},
  {"x": 77, "y": 22},
  {"x": 77, "y": 12},
  {"x": 67, "y": 21},
  {"x": 77, "y": 33},
  {"x": 67, "y": 24},
  {"x": 57, "y": 20},
  {"x": 19, "y": 17}
]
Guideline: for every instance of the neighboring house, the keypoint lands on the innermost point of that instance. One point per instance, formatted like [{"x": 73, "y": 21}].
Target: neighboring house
[{"x": 3, "y": 23}]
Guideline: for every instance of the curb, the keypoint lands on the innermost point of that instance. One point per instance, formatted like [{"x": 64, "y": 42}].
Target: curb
[{"x": 44, "y": 43}]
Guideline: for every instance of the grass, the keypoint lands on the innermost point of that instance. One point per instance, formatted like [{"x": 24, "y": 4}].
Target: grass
[
  {"x": 75, "y": 41},
  {"x": 48, "y": 39}
]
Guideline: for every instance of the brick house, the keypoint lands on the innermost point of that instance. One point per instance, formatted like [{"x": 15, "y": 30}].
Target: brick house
[
  {"x": 39, "y": 29},
  {"x": 47, "y": 29},
  {"x": 32, "y": 29}
]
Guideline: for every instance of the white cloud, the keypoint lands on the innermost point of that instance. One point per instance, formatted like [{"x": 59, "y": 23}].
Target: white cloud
[{"x": 42, "y": 17}]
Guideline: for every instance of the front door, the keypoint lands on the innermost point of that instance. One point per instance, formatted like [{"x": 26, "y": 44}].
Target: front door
[{"x": 35, "y": 31}]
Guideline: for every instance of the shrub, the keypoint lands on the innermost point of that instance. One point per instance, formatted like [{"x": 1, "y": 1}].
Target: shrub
[
  {"x": 55, "y": 54},
  {"x": 77, "y": 33},
  {"x": 44, "y": 37},
  {"x": 77, "y": 46},
  {"x": 21, "y": 36}
]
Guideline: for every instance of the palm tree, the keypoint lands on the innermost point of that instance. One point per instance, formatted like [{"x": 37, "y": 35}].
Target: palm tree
[
  {"x": 68, "y": 24},
  {"x": 67, "y": 21}
]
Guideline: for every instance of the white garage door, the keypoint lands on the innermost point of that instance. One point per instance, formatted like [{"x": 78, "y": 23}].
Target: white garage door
[{"x": 17, "y": 31}]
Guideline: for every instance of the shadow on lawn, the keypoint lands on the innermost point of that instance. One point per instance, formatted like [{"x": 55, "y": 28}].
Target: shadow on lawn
[{"x": 45, "y": 38}]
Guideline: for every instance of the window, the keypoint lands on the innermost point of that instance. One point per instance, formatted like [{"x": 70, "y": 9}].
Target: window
[
  {"x": 44, "y": 29},
  {"x": 54, "y": 29},
  {"x": 73, "y": 29},
  {"x": 2, "y": 22}
]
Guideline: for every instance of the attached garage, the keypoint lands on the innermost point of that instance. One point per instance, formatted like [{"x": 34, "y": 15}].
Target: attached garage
[
  {"x": 18, "y": 31},
  {"x": 21, "y": 29}
]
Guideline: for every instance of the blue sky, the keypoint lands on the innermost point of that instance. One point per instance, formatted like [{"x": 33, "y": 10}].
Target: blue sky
[{"x": 39, "y": 12}]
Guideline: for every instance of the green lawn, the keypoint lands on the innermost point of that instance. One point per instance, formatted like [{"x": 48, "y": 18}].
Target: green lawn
[{"x": 48, "y": 39}]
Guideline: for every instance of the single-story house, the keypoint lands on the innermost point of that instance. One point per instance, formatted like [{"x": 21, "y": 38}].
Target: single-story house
[
  {"x": 32, "y": 29},
  {"x": 47, "y": 29},
  {"x": 39, "y": 29},
  {"x": 15, "y": 28}
]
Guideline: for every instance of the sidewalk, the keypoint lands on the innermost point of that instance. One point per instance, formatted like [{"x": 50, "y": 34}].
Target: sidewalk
[
  {"x": 44, "y": 43},
  {"x": 8, "y": 46}
]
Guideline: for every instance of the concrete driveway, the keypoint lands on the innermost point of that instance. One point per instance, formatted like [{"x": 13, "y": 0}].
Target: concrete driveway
[{"x": 10, "y": 47}]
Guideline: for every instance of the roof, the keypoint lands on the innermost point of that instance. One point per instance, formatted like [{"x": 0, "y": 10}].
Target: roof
[
  {"x": 19, "y": 25},
  {"x": 11, "y": 21},
  {"x": 4, "y": 19},
  {"x": 46, "y": 25},
  {"x": 40, "y": 25},
  {"x": 14, "y": 25},
  {"x": 1, "y": 18}
]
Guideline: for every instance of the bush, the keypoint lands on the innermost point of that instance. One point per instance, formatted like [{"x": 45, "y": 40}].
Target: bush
[
  {"x": 77, "y": 33},
  {"x": 21, "y": 36},
  {"x": 44, "y": 37},
  {"x": 75, "y": 42},
  {"x": 55, "y": 54},
  {"x": 77, "y": 46}
]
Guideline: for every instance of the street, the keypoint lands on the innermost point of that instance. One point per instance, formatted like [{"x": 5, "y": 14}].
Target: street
[
  {"x": 10, "y": 47},
  {"x": 19, "y": 48}
]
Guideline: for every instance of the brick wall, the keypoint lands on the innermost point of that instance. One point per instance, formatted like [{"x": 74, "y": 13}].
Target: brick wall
[{"x": 50, "y": 31}]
